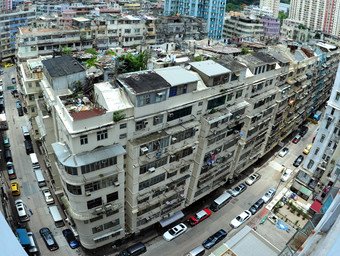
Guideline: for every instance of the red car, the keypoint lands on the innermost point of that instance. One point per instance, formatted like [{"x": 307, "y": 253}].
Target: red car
[
  {"x": 199, "y": 216},
  {"x": 296, "y": 139}
]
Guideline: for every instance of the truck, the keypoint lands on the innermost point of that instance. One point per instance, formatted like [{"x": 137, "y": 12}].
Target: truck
[
  {"x": 317, "y": 116},
  {"x": 3, "y": 122}
]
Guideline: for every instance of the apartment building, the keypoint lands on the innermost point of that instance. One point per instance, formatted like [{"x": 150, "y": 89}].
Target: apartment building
[
  {"x": 240, "y": 27},
  {"x": 180, "y": 28},
  {"x": 211, "y": 11},
  {"x": 322, "y": 15},
  {"x": 128, "y": 160},
  {"x": 272, "y": 5},
  {"x": 103, "y": 32},
  {"x": 10, "y": 22}
]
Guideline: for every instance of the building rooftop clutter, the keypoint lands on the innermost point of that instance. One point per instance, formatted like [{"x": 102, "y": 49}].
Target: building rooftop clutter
[
  {"x": 62, "y": 66},
  {"x": 217, "y": 47},
  {"x": 80, "y": 107},
  {"x": 143, "y": 81},
  {"x": 176, "y": 75},
  {"x": 210, "y": 68},
  {"x": 233, "y": 65},
  {"x": 265, "y": 57},
  {"x": 66, "y": 157}
]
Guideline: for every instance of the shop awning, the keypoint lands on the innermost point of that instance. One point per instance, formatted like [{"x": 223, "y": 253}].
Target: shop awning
[
  {"x": 176, "y": 216},
  {"x": 316, "y": 206},
  {"x": 305, "y": 191},
  {"x": 23, "y": 237}
]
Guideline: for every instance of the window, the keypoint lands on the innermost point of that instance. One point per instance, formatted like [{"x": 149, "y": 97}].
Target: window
[
  {"x": 216, "y": 102},
  {"x": 122, "y": 136},
  {"x": 150, "y": 182},
  {"x": 316, "y": 151},
  {"x": 141, "y": 124},
  {"x": 157, "y": 119},
  {"x": 98, "y": 165},
  {"x": 71, "y": 170},
  {"x": 94, "y": 203},
  {"x": 122, "y": 126},
  {"x": 112, "y": 197},
  {"x": 238, "y": 94},
  {"x": 171, "y": 174},
  {"x": 173, "y": 91},
  {"x": 75, "y": 190},
  {"x": 83, "y": 140},
  {"x": 179, "y": 113},
  {"x": 101, "y": 135},
  {"x": 230, "y": 97}
]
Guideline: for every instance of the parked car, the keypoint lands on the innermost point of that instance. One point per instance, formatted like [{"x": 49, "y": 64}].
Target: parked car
[
  {"x": 199, "y": 216},
  {"x": 11, "y": 171},
  {"x": 286, "y": 174},
  {"x": 175, "y": 232},
  {"x": 307, "y": 149},
  {"x": 48, "y": 238},
  {"x": 240, "y": 219},
  {"x": 15, "y": 188},
  {"x": 269, "y": 195},
  {"x": 214, "y": 239},
  {"x": 257, "y": 206},
  {"x": 298, "y": 161},
  {"x": 303, "y": 130},
  {"x": 70, "y": 238},
  {"x": 134, "y": 250},
  {"x": 296, "y": 139},
  {"x": 253, "y": 178},
  {"x": 47, "y": 196},
  {"x": 237, "y": 190},
  {"x": 283, "y": 152}
]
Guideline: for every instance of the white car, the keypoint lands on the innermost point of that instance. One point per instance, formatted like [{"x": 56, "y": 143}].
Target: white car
[
  {"x": 269, "y": 195},
  {"x": 283, "y": 152},
  {"x": 286, "y": 174},
  {"x": 48, "y": 196},
  {"x": 239, "y": 220},
  {"x": 253, "y": 178},
  {"x": 175, "y": 232}
]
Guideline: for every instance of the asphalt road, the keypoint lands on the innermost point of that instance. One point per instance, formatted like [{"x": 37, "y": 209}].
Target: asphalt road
[
  {"x": 30, "y": 192},
  {"x": 221, "y": 219}
]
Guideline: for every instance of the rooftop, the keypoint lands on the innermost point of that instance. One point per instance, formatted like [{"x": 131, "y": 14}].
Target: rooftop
[
  {"x": 265, "y": 57},
  {"x": 143, "y": 81},
  {"x": 80, "y": 107},
  {"x": 176, "y": 75},
  {"x": 62, "y": 66},
  {"x": 210, "y": 68}
]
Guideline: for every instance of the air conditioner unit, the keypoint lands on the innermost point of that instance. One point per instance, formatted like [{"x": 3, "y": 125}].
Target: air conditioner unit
[
  {"x": 172, "y": 156},
  {"x": 144, "y": 150},
  {"x": 330, "y": 119},
  {"x": 170, "y": 114},
  {"x": 145, "y": 122},
  {"x": 98, "y": 210},
  {"x": 156, "y": 118},
  {"x": 173, "y": 139},
  {"x": 160, "y": 94},
  {"x": 152, "y": 169},
  {"x": 193, "y": 147},
  {"x": 237, "y": 117},
  {"x": 236, "y": 132},
  {"x": 116, "y": 184},
  {"x": 108, "y": 207},
  {"x": 87, "y": 193}
]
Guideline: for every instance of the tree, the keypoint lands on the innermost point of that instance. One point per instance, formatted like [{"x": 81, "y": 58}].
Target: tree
[
  {"x": 133, "y": 62},
  {"x": 91, "y": 62},
  {"x": 66, "y": 50},
  {"x": 91, "y": 51},
  {"x": 282, "y": 15},
  {"x": 110, "y": 52}
]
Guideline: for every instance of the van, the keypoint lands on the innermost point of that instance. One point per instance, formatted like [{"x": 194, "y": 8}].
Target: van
[
  {"x": 198, "y": 251},
  {"x": 40, "y": 177},
  {"x": 33, "y": 248},
  {"x": 28, "y": 147},
  {"x": 25, "y": 132},
  {"x": 34, "y": 160},
  {"x": 134, "y": 250},
  {"x": 58, "y": 220},
  {"x": 221, "y": 201}
]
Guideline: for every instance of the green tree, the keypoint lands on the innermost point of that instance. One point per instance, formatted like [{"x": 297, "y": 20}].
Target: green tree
[
  {"x": 131, "y": 62},
  {"x": 110, "y": 52},
  {"x": 91, "y": 51},
  {"x": 66, "y": 50},
  {"x": 91, "y": 62},
  {"x": 282, "y": 15}
]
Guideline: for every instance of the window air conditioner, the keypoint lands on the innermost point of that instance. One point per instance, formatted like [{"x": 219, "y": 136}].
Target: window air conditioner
[
  {"x": 98, "y": 210},
  {"x": 87, "y": 193},
  {"x": 152, "y": 169},
  {"x": 173, "y": 139},
  {"x": 116, "y": 184},
  {"x": 144, "y": 150}
]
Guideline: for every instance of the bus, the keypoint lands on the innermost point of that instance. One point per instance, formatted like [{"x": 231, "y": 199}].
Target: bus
[{"x": 58, "y": 220}]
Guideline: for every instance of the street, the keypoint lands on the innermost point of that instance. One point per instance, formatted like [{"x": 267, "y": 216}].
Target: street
[{"x": 30, "y": 192}]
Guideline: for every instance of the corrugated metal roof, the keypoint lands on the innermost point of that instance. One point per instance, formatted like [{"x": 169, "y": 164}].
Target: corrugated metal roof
[
  {"x": 176, "y": 75},
  {"x": 210, "y": 68},
  {"x": 66, "y": 158}
]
